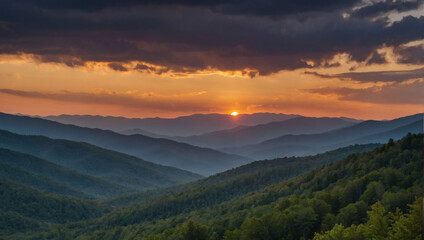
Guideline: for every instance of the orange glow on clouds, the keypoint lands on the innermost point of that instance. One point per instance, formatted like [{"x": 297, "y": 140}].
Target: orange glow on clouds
[{"x": 32, "y": 88}]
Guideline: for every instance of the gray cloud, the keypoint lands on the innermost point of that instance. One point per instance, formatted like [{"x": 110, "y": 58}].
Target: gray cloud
[
  {"x": 411, "y": 55},
  {"x": 381, "y": 76},
  {"x": 381, "y": 7},
  {"x": 411, "y": 93}
]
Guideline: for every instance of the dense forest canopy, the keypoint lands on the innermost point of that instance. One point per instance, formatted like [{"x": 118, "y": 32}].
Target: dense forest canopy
[{"x": 371, "y": 195}]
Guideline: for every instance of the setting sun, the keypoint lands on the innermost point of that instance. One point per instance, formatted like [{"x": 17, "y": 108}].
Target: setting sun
[{"x": 234, "y": 114}]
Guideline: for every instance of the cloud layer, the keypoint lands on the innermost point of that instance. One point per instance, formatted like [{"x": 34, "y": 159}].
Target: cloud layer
[
  {"x": 140, "y": 100},
  {"x": 381, "y": 76},
  {"x": 396, "y": 93},
  {"x": 189, "y": 36}
]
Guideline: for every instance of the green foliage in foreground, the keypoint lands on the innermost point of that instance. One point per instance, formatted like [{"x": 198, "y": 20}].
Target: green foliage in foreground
[
  {"x": 364, "y": 196},
  {"x": 382, "y": 225}
]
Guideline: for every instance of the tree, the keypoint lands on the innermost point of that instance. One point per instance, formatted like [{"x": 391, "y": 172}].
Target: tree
[
  {"x": 353, "y": 213},
  {"x": 373, "y": 193},
  {"x": 377, "y": 225},
  {"x": 254, "y": 229},
  {"x": 408, "y": 226},
  {"x": 191, "y": 231}
]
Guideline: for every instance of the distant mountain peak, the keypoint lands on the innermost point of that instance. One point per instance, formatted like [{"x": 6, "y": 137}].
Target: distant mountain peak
[{"x": 198, "y": 123}]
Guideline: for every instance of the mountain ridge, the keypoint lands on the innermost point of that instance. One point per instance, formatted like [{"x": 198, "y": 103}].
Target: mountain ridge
[
  {"x": 55, "y": 157},
  {"x": 244, "y": 135},
  {"x": 305, "y": 144},
  {"x": 199, "y": 123},
  {"x": 166, "y": 152}
]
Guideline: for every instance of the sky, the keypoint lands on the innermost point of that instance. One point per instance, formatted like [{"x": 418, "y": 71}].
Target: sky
[{"x": 355, "y": 58}]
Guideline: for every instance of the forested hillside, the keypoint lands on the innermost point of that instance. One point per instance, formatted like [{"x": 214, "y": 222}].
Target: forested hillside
[
  {"x": 25, "y": 209},
  {"x": 40, "y": 182},
  {"x": 238, "y": 181},
  {"x": 363, "y": 196},
  {"x": 71, "y": 162},
  {"x": 44, "y": 175}
]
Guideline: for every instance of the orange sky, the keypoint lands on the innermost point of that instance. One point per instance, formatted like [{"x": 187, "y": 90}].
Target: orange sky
[
  {"x": 33, "y": 88},
  {"x": 359, "y": 59}
]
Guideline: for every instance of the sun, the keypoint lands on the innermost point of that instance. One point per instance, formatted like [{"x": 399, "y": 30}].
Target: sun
[{"x": 234, "y": 114}]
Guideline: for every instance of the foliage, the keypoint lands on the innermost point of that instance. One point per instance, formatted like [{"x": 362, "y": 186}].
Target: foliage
[
  {"x": 19, "y": 175},
  {"x": 244, "y": 179},
  {"x": 373, "y": 195},
  {"x": 381, "y": 225},
  {"x": 116, "y": 173},
  {"x": 297, "y": 208},
  {"x": 18, "y": 201}
]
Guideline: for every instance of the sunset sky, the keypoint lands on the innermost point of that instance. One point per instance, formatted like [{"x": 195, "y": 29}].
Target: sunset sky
[{"x": 167, "y": 58}]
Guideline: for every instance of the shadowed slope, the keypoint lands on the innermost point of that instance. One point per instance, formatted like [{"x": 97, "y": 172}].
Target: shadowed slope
[
  {"x": 160, "y": 151},
  {"x": 87, "y": 159}
]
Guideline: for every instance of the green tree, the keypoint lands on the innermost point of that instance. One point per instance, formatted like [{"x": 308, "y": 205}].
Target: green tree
[
  {"x": 191, "y": 231},
  {"x": 373, "y": 193},
  {"x": 408, "y": 226},
  {"x": 377, "y": 225},
  {"x": 254, "y": 229},
  {"x": 353, "y": 213},
  {"x": 328, "y": 222},
  {"x": 335, "y": 233}
]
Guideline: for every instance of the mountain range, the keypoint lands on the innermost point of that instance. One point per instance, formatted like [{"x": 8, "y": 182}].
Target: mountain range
[
  {"x": 77, "y": 182},
  {"x": 306, "y": 144},
  {"x": 166, "y": 152},
  {"x": 218, "y": 151},
  {"x": 84, "y": 167},
  {"x": 243, "y": 135},
  {"x": 181, "y": 126},
  {"x": 381, "y": 187}
]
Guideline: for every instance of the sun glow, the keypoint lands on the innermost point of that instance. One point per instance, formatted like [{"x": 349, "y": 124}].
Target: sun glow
[{"x": 234, "y": 114}]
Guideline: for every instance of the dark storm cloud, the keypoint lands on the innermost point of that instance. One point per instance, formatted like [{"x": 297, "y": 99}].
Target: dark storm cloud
[
  {"x": 244, "y": 7},
  {"x": 411, "y": 55},
  {"x": 379, "y": 8},
  {"x": 381, "y": 76},
  {"x": 193, "y": 36}
]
